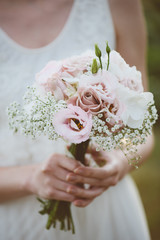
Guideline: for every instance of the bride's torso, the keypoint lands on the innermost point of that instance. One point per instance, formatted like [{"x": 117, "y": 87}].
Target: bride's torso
[{"x": 89, "y": 22}]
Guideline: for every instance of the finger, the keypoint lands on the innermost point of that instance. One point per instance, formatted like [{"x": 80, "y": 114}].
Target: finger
[
  {"x": 112, "y": 181},
  {"x": 69, "y": 163},
  {"x": 59, "y": 185},
  {"x": 85, "y": 193},
  {"x": 99, "y": 173},
  {"x": 59, "y": 195},
  {"x": 82, "y": 202},
  {"x": 106, "y": 182},
  {"x": 61, "y": 173},
  {"x": 74, "y": 178}
]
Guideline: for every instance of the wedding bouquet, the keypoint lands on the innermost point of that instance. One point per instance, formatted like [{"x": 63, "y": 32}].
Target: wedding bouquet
[{"x": 86, "y": 99}]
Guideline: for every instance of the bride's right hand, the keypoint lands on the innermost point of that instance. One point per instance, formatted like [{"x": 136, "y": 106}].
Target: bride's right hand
[{"x": 48, "y": 179}]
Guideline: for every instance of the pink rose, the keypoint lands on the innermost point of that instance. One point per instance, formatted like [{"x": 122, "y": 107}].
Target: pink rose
[
  {"x": 76, "y": 65},
  {"x": 96, "y": 92},
  {"x": 51, "y": 71},
  {"x": 50, "y": 79},
  {"x": 73, "y": 124},
  {"x": 88, "y": 99},
  {"x": 104, "y": 78}
]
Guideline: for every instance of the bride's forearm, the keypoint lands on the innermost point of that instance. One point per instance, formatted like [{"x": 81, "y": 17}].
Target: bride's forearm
[{"x": 13, "y": 182}]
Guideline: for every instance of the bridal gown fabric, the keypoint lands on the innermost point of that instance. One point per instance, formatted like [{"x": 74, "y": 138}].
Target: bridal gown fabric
[{"x": 115, "y": 215}]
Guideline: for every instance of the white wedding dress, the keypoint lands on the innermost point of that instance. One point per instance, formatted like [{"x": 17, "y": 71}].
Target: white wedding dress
[{"x": 115, "y": 215}]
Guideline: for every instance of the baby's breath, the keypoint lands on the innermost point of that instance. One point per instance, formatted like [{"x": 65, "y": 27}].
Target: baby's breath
[
  {"x": 125, "y": 138},
  {"x": 35, "y": 117}
]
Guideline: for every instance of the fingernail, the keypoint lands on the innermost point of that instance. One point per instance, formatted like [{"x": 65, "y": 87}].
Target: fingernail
[
  {"x": 78, "y": 203},
  {"x": 71, "y": 178},
  {"x": 71, "y": 190},
  {"x": 78, "y": 170}
]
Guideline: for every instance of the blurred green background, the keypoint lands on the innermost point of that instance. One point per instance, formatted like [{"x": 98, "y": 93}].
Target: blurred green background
[{"x": 148, "y": 176}]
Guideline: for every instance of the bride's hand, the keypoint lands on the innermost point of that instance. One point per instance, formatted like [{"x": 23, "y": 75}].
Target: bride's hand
[
  {"x": 102, "y": 177},
  {"x": 48, "y": 180}
]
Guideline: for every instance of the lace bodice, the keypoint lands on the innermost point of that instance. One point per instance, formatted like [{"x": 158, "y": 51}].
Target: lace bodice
[{"x": 89, "y": 22}]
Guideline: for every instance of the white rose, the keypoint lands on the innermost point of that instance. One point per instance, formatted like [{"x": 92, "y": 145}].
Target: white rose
[
  {"x": 132, "y": 79},
  {"x": 136, "y": 106},
  {"x": 128, "y": 76}
]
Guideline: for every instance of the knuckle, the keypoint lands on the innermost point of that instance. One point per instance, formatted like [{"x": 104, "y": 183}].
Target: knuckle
[
  {"x": 70, "y": 198},
  {"x": 47, "y": 181},
  {"x": 114, "y": 181},
  {"x": 76, "y": 164},
  {"x": 104, "y": 174},
  {"x": 81, "y": 180},
  {"x": 54, "y": 158},
  {"x": 49, "y": 193},
  {"x": 45, "y": 168},
  {"x": 88, "y": 173},
  {"x": 99, "y": 193},
  {"x": 83, "y": 204},
  {"x": 103, "y": 183},
  {"x": 115, "y": 167},
  {"x": 50, "y": 162},
  {"x": 71, "y": 190}
]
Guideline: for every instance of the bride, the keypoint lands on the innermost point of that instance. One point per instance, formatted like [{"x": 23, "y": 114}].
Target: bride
[{"x": 33, "y": 33}]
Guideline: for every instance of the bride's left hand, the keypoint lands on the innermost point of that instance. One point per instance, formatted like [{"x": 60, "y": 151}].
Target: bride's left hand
[{"x": 102, "y": 177}]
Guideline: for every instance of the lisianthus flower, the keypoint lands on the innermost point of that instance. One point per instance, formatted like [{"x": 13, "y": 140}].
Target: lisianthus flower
[{"x": 73, "y": 124}]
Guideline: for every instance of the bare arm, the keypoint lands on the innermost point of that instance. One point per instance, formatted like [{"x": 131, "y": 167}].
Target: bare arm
[{"x": 12, "y": 182}]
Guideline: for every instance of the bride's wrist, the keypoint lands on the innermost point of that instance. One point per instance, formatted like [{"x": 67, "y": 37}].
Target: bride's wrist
[{"x": 27, "y": 179}]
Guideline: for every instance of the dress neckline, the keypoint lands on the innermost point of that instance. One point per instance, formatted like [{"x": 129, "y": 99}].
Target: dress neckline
[{"x": 63, "y": 31}]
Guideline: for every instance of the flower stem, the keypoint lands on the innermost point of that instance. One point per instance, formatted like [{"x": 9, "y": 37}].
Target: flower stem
[
  {"x": 51, "y": 215},
  {"x": 100, "y": 62},
  {"x": 79, "y": 150}
]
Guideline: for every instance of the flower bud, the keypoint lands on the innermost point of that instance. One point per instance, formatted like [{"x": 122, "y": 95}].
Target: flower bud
[
  {"x": 97, "y": 51},
  {"x": 94, "y": 66},
  {"x": 107, "y": 48}
]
